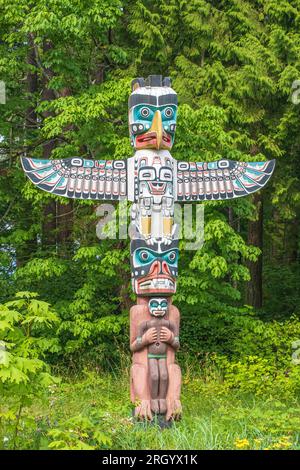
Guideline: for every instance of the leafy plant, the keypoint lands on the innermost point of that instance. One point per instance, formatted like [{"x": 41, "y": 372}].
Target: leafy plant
[
  {"x": 27, "y": 334},
  {"x": 79, "y": 433}
]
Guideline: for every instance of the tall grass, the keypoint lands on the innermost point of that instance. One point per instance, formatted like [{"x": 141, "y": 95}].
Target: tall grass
[{"x": 213, "y": 418}]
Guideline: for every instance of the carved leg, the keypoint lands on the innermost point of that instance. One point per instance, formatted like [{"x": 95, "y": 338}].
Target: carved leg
[
  {"x": 154, "y": 384},
  {"x": 139, "y": 379},
  {"x": 174, "y": 408},
  {"x": 163, "y": 385},
  {"x": 143, "y": 411}
]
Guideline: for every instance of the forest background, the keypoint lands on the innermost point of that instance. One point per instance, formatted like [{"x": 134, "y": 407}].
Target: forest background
[{"x": 65, "y": 295}]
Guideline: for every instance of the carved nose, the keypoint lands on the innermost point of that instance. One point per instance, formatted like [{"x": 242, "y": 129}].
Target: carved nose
[
  {"x": 159, "y": 267},
  {"x": 157, "y": 127},
  {"x": 155, "y": 268},
  {"x": 165, "y": 268}
]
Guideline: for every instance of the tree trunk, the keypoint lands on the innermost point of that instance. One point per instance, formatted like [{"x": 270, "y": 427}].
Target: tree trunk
[
  {"x": 49, "y": 222},
  {"x": 32, "y": 86},
  {"x": 64, "y": 224},
  {"x": 255, "y": 237},
  {"x": 25, "y": 250},
  {"x": 64, "y": 213},
  {"x": 235, "y": 224},
  {"x": 49, "y": 226},
  {"x": 125, "y": 301},
  {"x": 291, "y": 241}
]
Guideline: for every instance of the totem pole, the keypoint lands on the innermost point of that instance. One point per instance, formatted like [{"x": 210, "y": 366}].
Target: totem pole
[{"x": 153, "y": 181}]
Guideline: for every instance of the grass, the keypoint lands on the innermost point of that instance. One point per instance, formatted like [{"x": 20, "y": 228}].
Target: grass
[{"x": 94, "y": 412}]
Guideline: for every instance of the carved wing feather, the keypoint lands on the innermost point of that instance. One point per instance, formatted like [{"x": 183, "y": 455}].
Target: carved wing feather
[
  {"x": 79, "y": 178},
  {"x": 223, "y": 179}
]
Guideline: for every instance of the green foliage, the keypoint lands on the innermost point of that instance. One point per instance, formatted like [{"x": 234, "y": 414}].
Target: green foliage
[
  {"x": 239, "y": 335},
  {"x": 283, "y": 301},
  {"x": 75, "y": 433},
  {"x": 27, "y": 334},
  {"x": 259, "y": 376},
  {"x": 233, "y": 65},
  {"x": 93, "y": 413}
]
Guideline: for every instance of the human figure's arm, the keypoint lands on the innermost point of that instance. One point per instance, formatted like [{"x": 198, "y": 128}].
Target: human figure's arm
[
  {"x": 170, "y": 335},
  {"x": 144, "y": 337}
]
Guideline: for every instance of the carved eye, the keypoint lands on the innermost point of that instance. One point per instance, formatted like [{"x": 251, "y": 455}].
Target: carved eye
[
  {"x": 171, "y": 257},
  {"x": 169, "y": 112},
  {"x": 166, "y": 174},
  {"x": 145, "y": 112},
  {"x": 144, "y": 255},
  {"x": 147, "y": 174}
]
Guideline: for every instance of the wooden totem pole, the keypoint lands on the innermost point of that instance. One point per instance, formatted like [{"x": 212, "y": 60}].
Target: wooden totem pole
[{"x": 153, "y": 181}]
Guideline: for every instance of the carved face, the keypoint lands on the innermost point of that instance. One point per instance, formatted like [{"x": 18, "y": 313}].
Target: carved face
[
  {"x": 154, "y": 175},
  {"x": 158, "y": 307},
  {"x": 152, "y": 114},
  {"x": 154, "y": 267}
]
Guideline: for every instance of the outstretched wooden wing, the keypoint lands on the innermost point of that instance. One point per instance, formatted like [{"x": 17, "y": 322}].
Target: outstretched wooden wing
[
  {"x": 79, "y": 178},
  {"x": 223, "y": 179}
]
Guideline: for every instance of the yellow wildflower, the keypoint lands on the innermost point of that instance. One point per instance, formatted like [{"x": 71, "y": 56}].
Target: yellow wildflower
[
  {"x": 283, "y": 443},
  {"x": 241, "y": 443}
]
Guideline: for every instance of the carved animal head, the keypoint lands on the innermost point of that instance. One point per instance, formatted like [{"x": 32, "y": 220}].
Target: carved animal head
[
  {"x": 154, "y": 268},
  {"x": 152, "y": 113}
]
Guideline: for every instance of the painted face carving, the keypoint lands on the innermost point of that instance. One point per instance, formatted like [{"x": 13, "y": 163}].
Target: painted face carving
[
  {"x": 158, "y": 307},
  {"x": 154, "y": 175},
  {"x": 153, "y": 191},
  {"x": 152, "y": 113},
  {"x": 156, "y": 180},
  {"x": 155, "y": 268}
]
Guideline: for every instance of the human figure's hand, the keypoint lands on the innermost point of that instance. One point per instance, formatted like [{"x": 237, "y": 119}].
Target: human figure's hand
[
  {"x": 150, "y": 336},
  {"x": 166, "y": 335}
]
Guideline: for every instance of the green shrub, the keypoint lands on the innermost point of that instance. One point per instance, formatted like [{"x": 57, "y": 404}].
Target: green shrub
[
  {"x": 258, "y": 376},
  {"x": 27, "y": 334},
  {"x": 238, "y": 335},
  {"x": 79, "y": 433}
]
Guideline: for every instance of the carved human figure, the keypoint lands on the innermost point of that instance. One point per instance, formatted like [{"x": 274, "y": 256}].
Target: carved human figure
[{"x": 158, "y": 336}]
